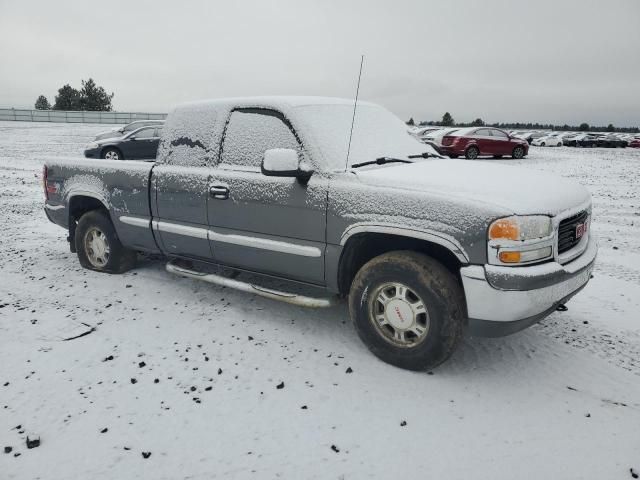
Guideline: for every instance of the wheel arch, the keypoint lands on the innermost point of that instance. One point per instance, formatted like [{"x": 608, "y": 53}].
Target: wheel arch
[
  {"x": 78, "y": 205},
  {"x": 361, "y": 244}
]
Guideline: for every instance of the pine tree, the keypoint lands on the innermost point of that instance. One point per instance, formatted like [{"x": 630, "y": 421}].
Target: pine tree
[
  {"x": 478, "y": 122},
  {"x": 68, "y": 98},
  {"x": 411, "y": 123},
  {"x": 94, "y": 98},
  {"x": 447, "y": 120},
  {"x": 42, "y": 103}
]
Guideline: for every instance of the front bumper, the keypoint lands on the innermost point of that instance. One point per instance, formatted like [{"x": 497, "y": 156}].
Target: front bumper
[
  {"x": 504, "y": 300},
  {"x": 92, "y": 153}
]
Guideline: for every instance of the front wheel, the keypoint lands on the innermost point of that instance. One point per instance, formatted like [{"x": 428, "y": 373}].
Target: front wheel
[
  {"x": 98, "y": 245},
  {"x": 472, "y": 153},
  {"x": 408, "y": 309},
  {"x": 518, "y": 152},
  {"x": 112, "y": 154}
]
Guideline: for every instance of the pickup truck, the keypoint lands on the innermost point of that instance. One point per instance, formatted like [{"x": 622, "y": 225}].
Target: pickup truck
[{"x": 425, "y": 249}]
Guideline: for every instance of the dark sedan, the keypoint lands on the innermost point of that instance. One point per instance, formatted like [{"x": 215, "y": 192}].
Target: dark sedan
[
  {"x": 141, "y": 144},
  {"x": 119, "y": 132}
]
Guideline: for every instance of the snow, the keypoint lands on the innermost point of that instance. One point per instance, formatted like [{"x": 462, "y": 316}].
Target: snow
[
  {"x": 524, "y": 191},
  {"x": 559, "y": 400}
]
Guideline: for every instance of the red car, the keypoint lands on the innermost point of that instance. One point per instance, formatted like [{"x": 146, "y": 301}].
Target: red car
[
  {"x": 483, "y": 141},
  {"x": 635, "y": 143}
]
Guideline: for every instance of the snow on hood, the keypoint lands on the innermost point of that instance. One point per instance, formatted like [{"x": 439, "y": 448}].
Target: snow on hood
[{"x": 517, "y": 189}]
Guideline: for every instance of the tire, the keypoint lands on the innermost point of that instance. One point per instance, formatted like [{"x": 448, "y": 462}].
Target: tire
[
  {"x": 542, "y": 144},
  {"x": 112, "y": 153},
  {"x": 497, "y": 156},
  {"x": 98, "y": 245},
  {"x": 420, "y": 280},
  {"x": 472, "y": 153},
  {"x": 518, "y": 153}
]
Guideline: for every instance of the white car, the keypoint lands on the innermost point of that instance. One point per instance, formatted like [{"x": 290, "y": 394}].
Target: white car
[{"x": 548, "y": 141}]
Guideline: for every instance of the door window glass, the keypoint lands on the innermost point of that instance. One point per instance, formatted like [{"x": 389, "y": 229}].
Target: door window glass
[
  {"x": 250, "y": 133},
  {"x": 145, "y": 133},
  {"x": 499, "y": 134}
]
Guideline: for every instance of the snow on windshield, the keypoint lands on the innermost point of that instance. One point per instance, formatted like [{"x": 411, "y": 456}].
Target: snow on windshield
[{"x": 376, "y": 133}]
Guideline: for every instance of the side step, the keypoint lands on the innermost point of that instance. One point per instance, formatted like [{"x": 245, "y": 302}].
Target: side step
[{"x": 250, "y": 288}]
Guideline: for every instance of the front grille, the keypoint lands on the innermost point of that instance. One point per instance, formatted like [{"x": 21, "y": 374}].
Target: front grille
[{"x": 567, "y": 231}]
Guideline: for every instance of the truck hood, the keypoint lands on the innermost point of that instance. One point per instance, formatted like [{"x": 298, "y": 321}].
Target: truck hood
[{"x": 516, "y": 189}]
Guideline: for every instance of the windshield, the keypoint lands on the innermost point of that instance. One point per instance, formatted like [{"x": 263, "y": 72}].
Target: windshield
[{"x": 376, "y": 133}]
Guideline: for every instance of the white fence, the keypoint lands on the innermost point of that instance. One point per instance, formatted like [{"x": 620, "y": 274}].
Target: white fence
[{"x": 62, "y": 116}]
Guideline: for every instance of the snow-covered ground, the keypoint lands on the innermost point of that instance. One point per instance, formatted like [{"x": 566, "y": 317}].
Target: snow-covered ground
[{"x": 189, "y": 372}]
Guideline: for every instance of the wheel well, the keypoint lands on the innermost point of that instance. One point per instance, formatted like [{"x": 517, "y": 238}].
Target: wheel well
[
  {"x": 78, "y": 206},
  {"x": 363, "y": 247}
]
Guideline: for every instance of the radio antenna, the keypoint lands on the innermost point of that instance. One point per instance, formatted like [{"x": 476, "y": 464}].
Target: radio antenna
[{"x": 353, "y": 119}]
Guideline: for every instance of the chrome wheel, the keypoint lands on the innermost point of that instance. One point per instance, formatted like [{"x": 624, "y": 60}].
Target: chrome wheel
[
  {"x": 399, "y": 315},
  {"x": 112, "y": 155},
  {"x": 472, "y": 153},
  {"x": 97, "y": 247}
]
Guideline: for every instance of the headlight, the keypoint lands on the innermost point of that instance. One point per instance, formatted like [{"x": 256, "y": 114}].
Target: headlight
[
  {"x": 92, "y": 145},
  {"x": 520, "y": 228},
  {"x": 520, "y": 240}
]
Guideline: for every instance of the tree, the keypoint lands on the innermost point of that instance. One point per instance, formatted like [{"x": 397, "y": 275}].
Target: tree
[
  {"x": 447, "y": 120},
  {"x": 584, "y": 127},
  {"x": 411, "y": 123},
  {"x": 42, "y": 103},
  {"x": 68, "y": 98},
  {"x": 611, "y": 128},
  {"x": 478, "y": 122},
  {"x": 94, "y": 98}
]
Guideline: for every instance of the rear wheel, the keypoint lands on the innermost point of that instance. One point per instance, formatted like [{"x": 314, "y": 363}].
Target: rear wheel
[
  {"x": 472, "y": 153},
  {"x": 518, "y": 152},
  {"x": 98, "y": 245},
  {"x": 408, "y": 309},
  {"x": 542, "y": 144},
  {"x": 112, "y": 154}
]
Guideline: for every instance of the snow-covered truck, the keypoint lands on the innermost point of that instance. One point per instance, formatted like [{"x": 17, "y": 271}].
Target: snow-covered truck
[{"x": 315, "y": 192}]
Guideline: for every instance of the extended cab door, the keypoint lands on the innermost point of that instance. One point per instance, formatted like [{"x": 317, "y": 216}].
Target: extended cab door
[
  {"x": 179, "y": 197},
  {"x": 273, "y": 225}
]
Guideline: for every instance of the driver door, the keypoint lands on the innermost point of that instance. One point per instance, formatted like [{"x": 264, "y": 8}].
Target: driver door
[{"x": 272, "y": 225}]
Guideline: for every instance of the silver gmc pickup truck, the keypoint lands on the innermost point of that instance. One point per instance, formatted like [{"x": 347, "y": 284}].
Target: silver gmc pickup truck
[{"x": 425, "y": 248}]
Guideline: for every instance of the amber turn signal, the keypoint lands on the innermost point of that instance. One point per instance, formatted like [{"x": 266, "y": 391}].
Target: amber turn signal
[{"x": 510, "y": 257}]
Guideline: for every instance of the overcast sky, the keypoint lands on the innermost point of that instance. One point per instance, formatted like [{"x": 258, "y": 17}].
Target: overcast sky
[{"x": 544, "y": 60}]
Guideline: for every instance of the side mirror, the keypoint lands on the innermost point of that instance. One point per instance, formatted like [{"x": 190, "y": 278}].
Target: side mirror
[{"x": 283, "y": 162}]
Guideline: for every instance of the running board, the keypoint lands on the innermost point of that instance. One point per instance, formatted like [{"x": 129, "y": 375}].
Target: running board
[{"x": 286, "y": 297}]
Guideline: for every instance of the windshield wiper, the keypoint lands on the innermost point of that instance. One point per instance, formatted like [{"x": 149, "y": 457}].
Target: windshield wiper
[
  {"x": 426, "y": 155},
  {"x": 381, "y": 161}
]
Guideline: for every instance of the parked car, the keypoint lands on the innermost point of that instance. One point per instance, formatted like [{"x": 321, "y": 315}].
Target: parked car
[
  {"x": 121, "y": 131},
  {"x": 425, "y": 248},
  {"x": 635, "y": 143},
  {"x": 475, "y": 142},
  {"x": 581, "y": 140},
  {"x": 548, "y": 141},
  {"x": 610, "y": 141},
  {"x": 436, "y": 136},
  {"x": 138, "y": 144}
]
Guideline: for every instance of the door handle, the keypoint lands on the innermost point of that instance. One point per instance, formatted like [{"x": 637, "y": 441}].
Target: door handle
[{"x": 218, "y": 192}]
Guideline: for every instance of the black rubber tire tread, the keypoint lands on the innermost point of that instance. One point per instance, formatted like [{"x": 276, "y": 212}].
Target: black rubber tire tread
[
  {"x": 121, "y": 259},
  {"x": 441, "y": 293}
]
